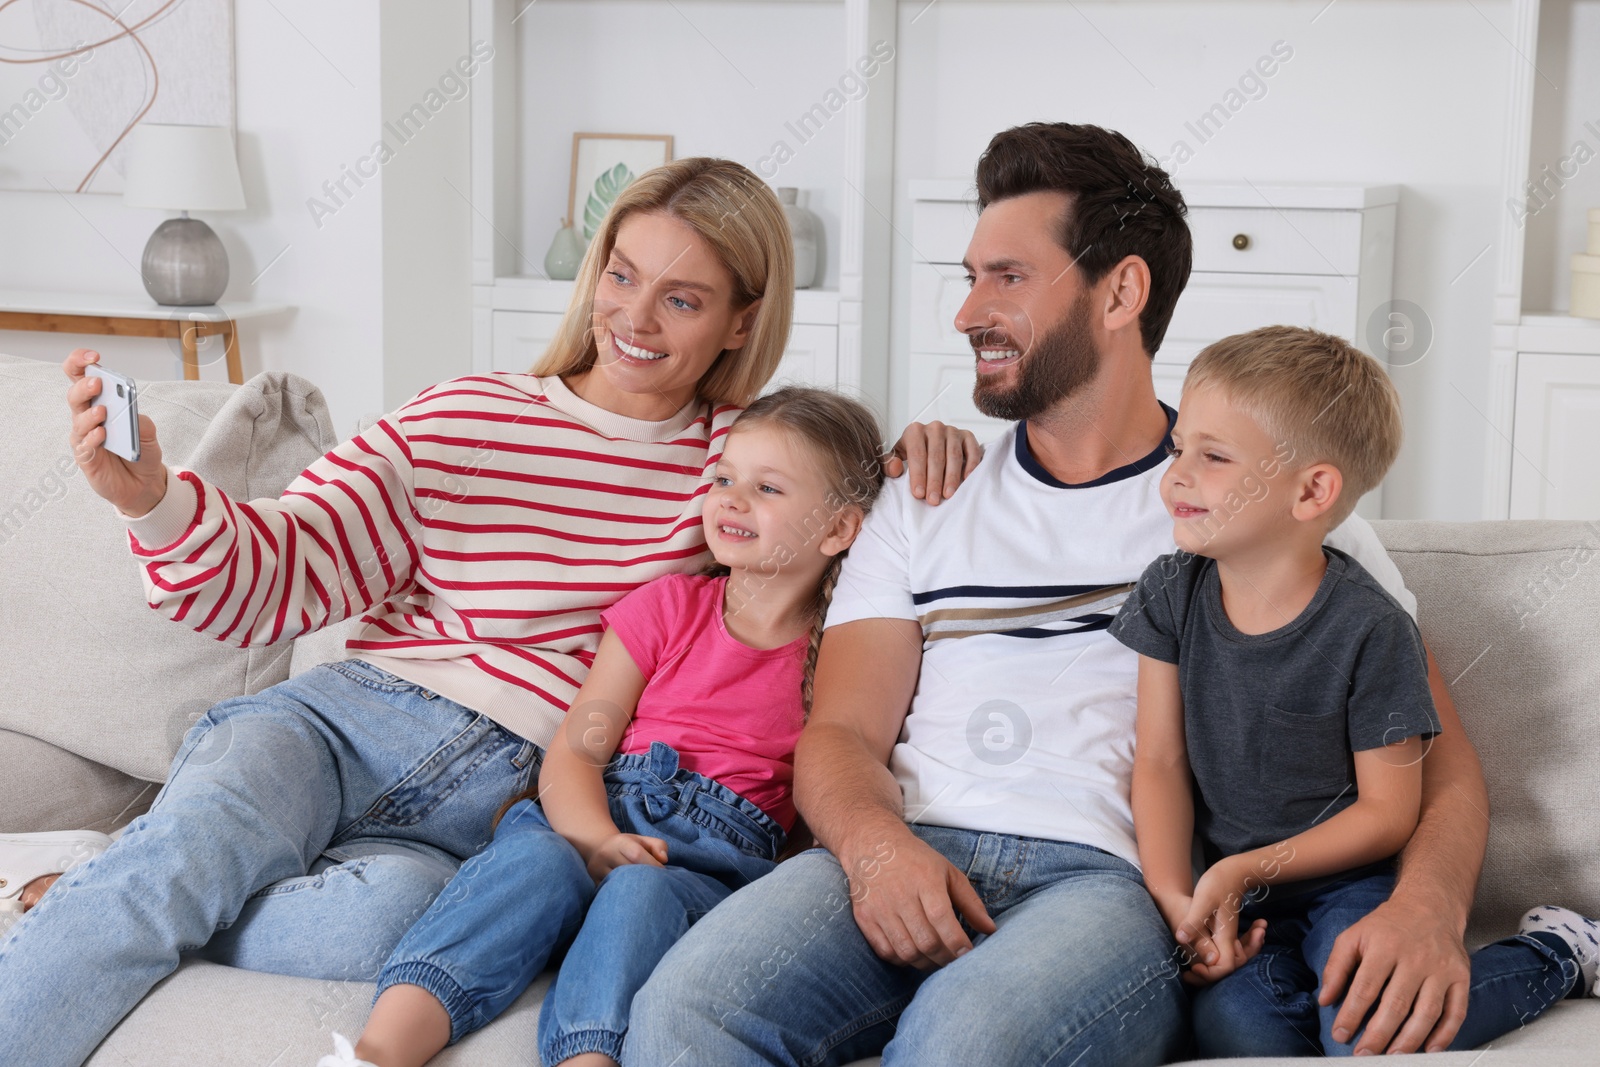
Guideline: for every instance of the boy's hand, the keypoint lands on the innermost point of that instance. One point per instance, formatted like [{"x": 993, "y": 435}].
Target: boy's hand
[
  {"x": 1175, "y": 910},
  {"x": 1211, "y": 928},
  {"x": 622, "y": 849}
]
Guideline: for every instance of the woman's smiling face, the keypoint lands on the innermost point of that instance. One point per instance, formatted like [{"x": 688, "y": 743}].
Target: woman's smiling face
[{"x": 663, "y": 312}]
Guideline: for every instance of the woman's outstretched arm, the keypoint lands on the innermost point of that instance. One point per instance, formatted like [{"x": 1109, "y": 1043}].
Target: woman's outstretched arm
[{"x": 342, "y": 538}]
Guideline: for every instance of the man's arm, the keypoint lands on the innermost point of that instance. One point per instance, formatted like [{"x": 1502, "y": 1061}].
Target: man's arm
[
  {"x": 904, "y": 893},
  {"x": 1410, "y": 949}
]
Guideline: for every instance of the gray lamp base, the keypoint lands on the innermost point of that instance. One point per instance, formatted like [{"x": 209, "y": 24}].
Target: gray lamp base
[{"x": 184, "y": 264}]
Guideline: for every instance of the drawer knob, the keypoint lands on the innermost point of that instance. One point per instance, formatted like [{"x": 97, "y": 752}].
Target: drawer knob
[{"x": 1241, "y": 241}]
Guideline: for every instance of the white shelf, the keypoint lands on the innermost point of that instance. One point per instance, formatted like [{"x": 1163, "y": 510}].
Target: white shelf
[{"x": 1557, "y": 333}]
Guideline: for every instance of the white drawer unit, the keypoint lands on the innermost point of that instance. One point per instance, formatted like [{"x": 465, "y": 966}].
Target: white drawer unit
[
  {"x": 1557, "y": 408},
  {"x": 1315, "y": 256},
  {"x": 520, "y": 338}
]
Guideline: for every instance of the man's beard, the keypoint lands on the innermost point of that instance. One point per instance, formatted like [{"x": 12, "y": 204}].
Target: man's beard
[{"x": 1060, "y": 363}]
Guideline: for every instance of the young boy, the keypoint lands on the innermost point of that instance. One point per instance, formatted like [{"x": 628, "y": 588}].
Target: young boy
[{"x": 1284, "y": 708}]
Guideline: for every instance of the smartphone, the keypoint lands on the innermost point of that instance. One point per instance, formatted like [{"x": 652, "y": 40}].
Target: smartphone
[{"x": 120, "y": 396}]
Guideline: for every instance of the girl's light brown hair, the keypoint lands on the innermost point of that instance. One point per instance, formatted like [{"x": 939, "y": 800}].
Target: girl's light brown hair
[
  {"x": 841, "y": 435},
  {"x": 1316, "y": 395},
  {"x": 740, "y": 219}
]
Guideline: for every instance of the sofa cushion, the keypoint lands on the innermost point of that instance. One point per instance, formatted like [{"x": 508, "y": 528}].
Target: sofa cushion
[
  {"x": 1511, "y": 611},
  {"x": 204, "y": 1013},
  {"x": 86, "y": 665},
  {"x": 49, "y": 788}
]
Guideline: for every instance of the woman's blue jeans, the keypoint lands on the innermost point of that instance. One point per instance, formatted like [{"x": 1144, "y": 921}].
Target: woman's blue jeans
[
  {"x": 1269, "y": 1006},
  {"x": 302, "y": 830},
  {"x": 525, "y": 898}
]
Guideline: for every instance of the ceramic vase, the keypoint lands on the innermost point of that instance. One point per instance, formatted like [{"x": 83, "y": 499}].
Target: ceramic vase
[
  {"x": 805, "y": 228},
  {"x": 566, "y": 254}
]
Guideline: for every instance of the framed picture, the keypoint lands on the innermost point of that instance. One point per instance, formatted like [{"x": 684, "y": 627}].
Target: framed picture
[{"x": 602, "y": 166}]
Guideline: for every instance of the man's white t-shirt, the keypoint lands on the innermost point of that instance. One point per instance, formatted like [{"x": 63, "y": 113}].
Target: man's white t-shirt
[{"x": 1022, "y": 722}]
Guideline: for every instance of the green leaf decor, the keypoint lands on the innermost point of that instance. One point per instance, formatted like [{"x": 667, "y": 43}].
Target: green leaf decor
[{"x": 605, "y": 191}]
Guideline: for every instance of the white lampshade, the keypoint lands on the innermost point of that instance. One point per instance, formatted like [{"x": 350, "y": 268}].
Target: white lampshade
[{"x": 183, "y": 168}]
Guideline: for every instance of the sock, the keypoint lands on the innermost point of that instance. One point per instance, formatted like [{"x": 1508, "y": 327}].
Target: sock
[
  {"x": 1581, "y": 935},
  {"x": 344, "y": 1054}
]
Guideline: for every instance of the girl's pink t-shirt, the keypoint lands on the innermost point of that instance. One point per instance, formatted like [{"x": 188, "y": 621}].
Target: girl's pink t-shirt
[{"x": 733, "y": 712}]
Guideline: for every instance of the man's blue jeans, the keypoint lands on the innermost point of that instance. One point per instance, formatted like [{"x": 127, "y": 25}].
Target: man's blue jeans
[
  {"x": 1269, "y": 1006},
  {"x": 302, "y": 831},
  {"x": 511, "y": 907},
  {"x": 1079, "y": 972}
]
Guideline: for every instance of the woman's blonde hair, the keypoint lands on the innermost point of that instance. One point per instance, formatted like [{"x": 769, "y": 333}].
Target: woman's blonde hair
[{"x": 738, "y": 216}]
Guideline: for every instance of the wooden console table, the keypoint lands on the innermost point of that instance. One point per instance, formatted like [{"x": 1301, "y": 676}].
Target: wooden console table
[{"x": 130, "y": 316}]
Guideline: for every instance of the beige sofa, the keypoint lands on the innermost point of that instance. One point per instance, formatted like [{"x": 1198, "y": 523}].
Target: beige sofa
[{"x": 101, "y": 690}]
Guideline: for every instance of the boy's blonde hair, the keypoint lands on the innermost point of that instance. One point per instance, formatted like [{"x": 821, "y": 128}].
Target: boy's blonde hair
[
  {"x": 1320, "y": 398},
  {"x": 739, "y": 217}
]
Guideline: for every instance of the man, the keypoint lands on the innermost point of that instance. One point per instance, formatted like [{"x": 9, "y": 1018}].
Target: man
[{"x": 967, "y": 762}]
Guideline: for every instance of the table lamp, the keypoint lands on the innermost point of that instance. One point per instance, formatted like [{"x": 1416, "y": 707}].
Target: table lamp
[{"x": 183, "y": 168}]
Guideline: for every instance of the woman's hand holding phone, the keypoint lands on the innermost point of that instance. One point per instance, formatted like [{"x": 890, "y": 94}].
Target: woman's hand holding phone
[{"x": 134, "y": 487}]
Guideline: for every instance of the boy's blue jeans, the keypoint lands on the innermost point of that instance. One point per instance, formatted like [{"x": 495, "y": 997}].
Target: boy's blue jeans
[
  {"x": 528, "y": 895},
  {"x": 302, "y": 830},
  {"x": 1269, "y": 1006}
]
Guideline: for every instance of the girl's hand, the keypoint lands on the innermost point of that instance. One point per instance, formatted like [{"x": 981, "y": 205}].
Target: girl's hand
[
  {"x": 134, "y": 488},
  {"x": 938, "y": 458},
  {"x": 622, "y": 849}
]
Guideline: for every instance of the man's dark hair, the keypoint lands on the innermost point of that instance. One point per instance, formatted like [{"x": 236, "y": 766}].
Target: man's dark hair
[{"x": 1122, "y": 205}]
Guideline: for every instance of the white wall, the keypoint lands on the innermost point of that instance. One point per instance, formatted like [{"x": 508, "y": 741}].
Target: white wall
[
  {"x": 1376, "y": 93},
  {"x": 299, "y": 116},
  {"x": 725, "y": 79},
  {"x": 385, "y": 272},
  {"x": 427, "y": 216}
]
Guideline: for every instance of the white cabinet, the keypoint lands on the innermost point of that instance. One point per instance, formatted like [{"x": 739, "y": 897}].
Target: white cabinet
[
  {"x": 1315, "y": 256},
  {"x": 812, "y": 357},
  {"x": 520, "y": 338},
  {"x": 1557, "y": 409}
]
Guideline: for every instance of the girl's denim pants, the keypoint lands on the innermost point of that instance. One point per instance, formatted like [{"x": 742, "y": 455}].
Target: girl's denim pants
[
  {"x": 302, "y": 830},
  {"x": 529, "y": 895}
]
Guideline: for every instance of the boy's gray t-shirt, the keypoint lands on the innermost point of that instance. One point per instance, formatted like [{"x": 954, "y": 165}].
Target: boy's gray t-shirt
[{"x": 1271, "y": 720}]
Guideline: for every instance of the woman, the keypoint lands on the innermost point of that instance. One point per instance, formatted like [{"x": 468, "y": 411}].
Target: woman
[{"x": 481, "y": 528}]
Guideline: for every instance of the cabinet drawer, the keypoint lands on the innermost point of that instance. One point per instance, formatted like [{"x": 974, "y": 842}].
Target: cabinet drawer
[
  {"x": 1295, "y": 241},
  {"x": 1214, "y": 306},
  {"x": 520, "y": 338},
  {"x": 937, "y": 292},
  {"x": 941, "y": 388},
  {"x": 811, "y": 358},
  {"x": 1291, "y": 241},
  {"x": 1557, "y": 408},
  {"x": 942, "y": 229}
]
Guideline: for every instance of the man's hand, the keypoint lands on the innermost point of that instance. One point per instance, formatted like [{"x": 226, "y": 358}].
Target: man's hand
[
  {"x": 905, "y": 897},
  {"x": 938, "y": 458},
  {"x": 1414, "y": 960},
  {"x": 622, "y": 849}
]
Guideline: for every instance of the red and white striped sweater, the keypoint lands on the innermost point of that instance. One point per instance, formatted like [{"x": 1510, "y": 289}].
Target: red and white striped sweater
[{"x": 481, "y": 528}]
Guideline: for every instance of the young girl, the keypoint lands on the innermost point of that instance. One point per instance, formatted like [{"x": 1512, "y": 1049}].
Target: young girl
[{"x": 624, "y": 852}]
